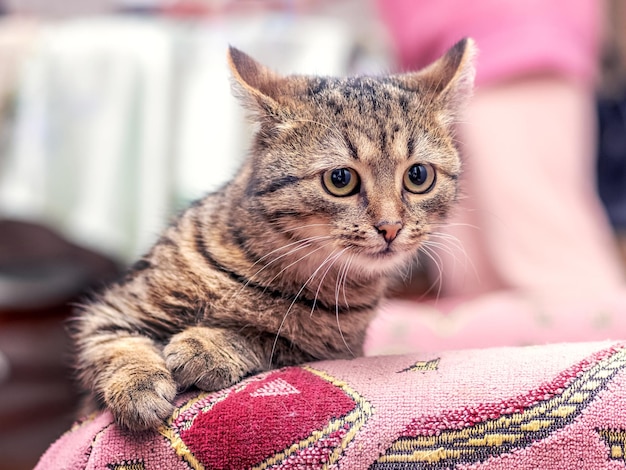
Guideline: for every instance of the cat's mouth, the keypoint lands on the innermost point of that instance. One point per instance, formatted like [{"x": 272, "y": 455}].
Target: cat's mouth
[
  {"x": 391, "y": 254},
  {"x": 387, "y": 253},
  {"x": 383, "y": 260}
]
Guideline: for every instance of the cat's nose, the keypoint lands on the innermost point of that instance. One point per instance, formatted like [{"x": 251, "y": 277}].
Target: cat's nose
[{"x": 389, "y": 231}]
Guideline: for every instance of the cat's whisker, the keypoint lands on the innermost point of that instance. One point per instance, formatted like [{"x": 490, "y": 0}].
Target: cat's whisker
[
  {"x": 405, "y": 271},
  {"x": 300, "y": 245},
  {"x": 437, "y": 261},
  {"x": 448, "y": 238},
  {"x": 333, "y": 256},
  {"x": 438, "y": 248},
  {"x": 297, "y": 261},
  {"x": 458, "y": 246},
  {"x": 442, "y": 247},
  {"x": 345, "y": 279},
  {"x": 338, "y": 285},
  {"x": 319, "y": 285},
  {"x": 306, "y": 241},
  {"x": 338, "y": 281},
  {"x": 455, "y": 224},
  {"x": 456, "y": 252},
  {"x": 304, "y": 245}
]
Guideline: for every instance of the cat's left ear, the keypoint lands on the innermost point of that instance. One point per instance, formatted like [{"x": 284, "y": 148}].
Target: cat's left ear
[
  {"x": 450, "y": 78},
  {"x": 263, "y": 91}
]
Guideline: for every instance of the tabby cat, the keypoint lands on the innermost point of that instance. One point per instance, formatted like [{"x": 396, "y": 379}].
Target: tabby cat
[{"x": 288, "y": 262}]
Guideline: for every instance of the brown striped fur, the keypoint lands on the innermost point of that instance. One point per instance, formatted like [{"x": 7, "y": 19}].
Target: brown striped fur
[{"x": 272, "y": 269}]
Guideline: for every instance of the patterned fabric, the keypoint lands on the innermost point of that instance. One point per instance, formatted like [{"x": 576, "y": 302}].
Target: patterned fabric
[{"x": 560, "y": 407}]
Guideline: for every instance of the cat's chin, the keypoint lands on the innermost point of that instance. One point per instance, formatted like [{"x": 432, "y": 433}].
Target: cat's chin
[{"x": 384, "y": 261}]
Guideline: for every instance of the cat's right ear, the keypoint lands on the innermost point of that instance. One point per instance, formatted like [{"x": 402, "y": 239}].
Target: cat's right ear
[
  {"x": 261, "y": 89},
  {"x": 449, "y": 79}
]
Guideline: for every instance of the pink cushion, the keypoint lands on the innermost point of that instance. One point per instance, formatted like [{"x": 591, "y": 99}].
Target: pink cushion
[{"x": 559, "y": 406}]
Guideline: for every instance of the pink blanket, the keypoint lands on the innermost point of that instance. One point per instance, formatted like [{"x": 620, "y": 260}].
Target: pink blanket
[{"x": 559, "y": 406}]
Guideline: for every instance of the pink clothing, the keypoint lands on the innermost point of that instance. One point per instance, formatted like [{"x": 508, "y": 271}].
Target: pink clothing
[
  {"x": 514, "y": 37},
  {"x": 529, "y": 216},
  {"x": 530, "y": 225}
]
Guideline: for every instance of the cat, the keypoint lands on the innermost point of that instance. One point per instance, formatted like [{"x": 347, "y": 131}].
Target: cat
[{"x": 288, "y": 262}]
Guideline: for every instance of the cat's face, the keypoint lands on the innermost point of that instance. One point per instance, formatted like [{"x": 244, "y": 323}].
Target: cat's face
[{"x": 363, "y": 167}]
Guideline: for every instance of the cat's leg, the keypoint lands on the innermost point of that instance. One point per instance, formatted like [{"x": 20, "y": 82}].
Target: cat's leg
[
  {"x": 132, "y": 379},
  {"x": 211, "y": 358}
]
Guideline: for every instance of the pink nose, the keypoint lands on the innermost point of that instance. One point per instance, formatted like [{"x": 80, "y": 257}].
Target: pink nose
[{"x": 389, "y": 231}]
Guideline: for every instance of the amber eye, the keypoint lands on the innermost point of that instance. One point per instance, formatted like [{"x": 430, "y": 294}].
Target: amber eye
[
  {"x": 341, "y": 182},
  {"x": 420, "y": 178}
]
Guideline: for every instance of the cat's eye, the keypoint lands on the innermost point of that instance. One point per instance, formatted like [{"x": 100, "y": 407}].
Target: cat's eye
[
  {"x": 420, "y": 178},
  {"x": 341, "y": 181}
]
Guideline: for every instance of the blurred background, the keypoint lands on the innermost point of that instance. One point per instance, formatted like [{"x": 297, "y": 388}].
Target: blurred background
[{"x": 115, "y": 114}]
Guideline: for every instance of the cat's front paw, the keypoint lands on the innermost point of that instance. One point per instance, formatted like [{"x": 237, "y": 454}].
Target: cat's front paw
[
  {"x": 141, "y": 399},
  {"x": 209, "y": 358}
]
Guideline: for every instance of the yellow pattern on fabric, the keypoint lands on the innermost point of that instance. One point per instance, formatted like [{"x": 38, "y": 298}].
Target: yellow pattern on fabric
[
  {"x": 356, "y": 418},
  {"x": 172, "y": 435},
  {"x": 425, "y": 366},
  {"x": 515, "y": 429},
  {"x": 129, "y": 466},
  {"x": 616, "y": 441}
]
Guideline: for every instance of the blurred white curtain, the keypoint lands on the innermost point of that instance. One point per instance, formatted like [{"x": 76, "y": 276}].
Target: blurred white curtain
[
  {"x": 121, "y": 120},
  {"x": 212, "y": 135},
  {"x": 90, "y": 152}
]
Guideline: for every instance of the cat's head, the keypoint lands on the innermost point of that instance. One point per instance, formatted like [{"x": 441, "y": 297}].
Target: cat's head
[{"x": 363, "y": 166}]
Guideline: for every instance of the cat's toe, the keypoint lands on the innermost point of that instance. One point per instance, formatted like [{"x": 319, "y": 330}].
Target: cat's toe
[
  {"x": 205, "y": 361},
  {"x": 201, "y": 371},
  {"x": 142, "y": 401}
]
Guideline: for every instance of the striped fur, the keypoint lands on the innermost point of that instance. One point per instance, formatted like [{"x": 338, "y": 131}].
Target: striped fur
[{"x": 273, "y": 269}]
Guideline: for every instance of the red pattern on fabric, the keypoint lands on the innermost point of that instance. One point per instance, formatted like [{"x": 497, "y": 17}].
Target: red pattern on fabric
[
  {"x": 583, "y": 427},
  {"x": 469, "y": 416},
  {"x": 243, "y": 430},
  {"x": 316, "y": 455}
]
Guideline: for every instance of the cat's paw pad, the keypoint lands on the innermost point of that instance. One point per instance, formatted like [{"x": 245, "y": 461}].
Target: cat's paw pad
[
  {"x": 209, "y": 359},
  {"x": 141, "y": 400}
]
